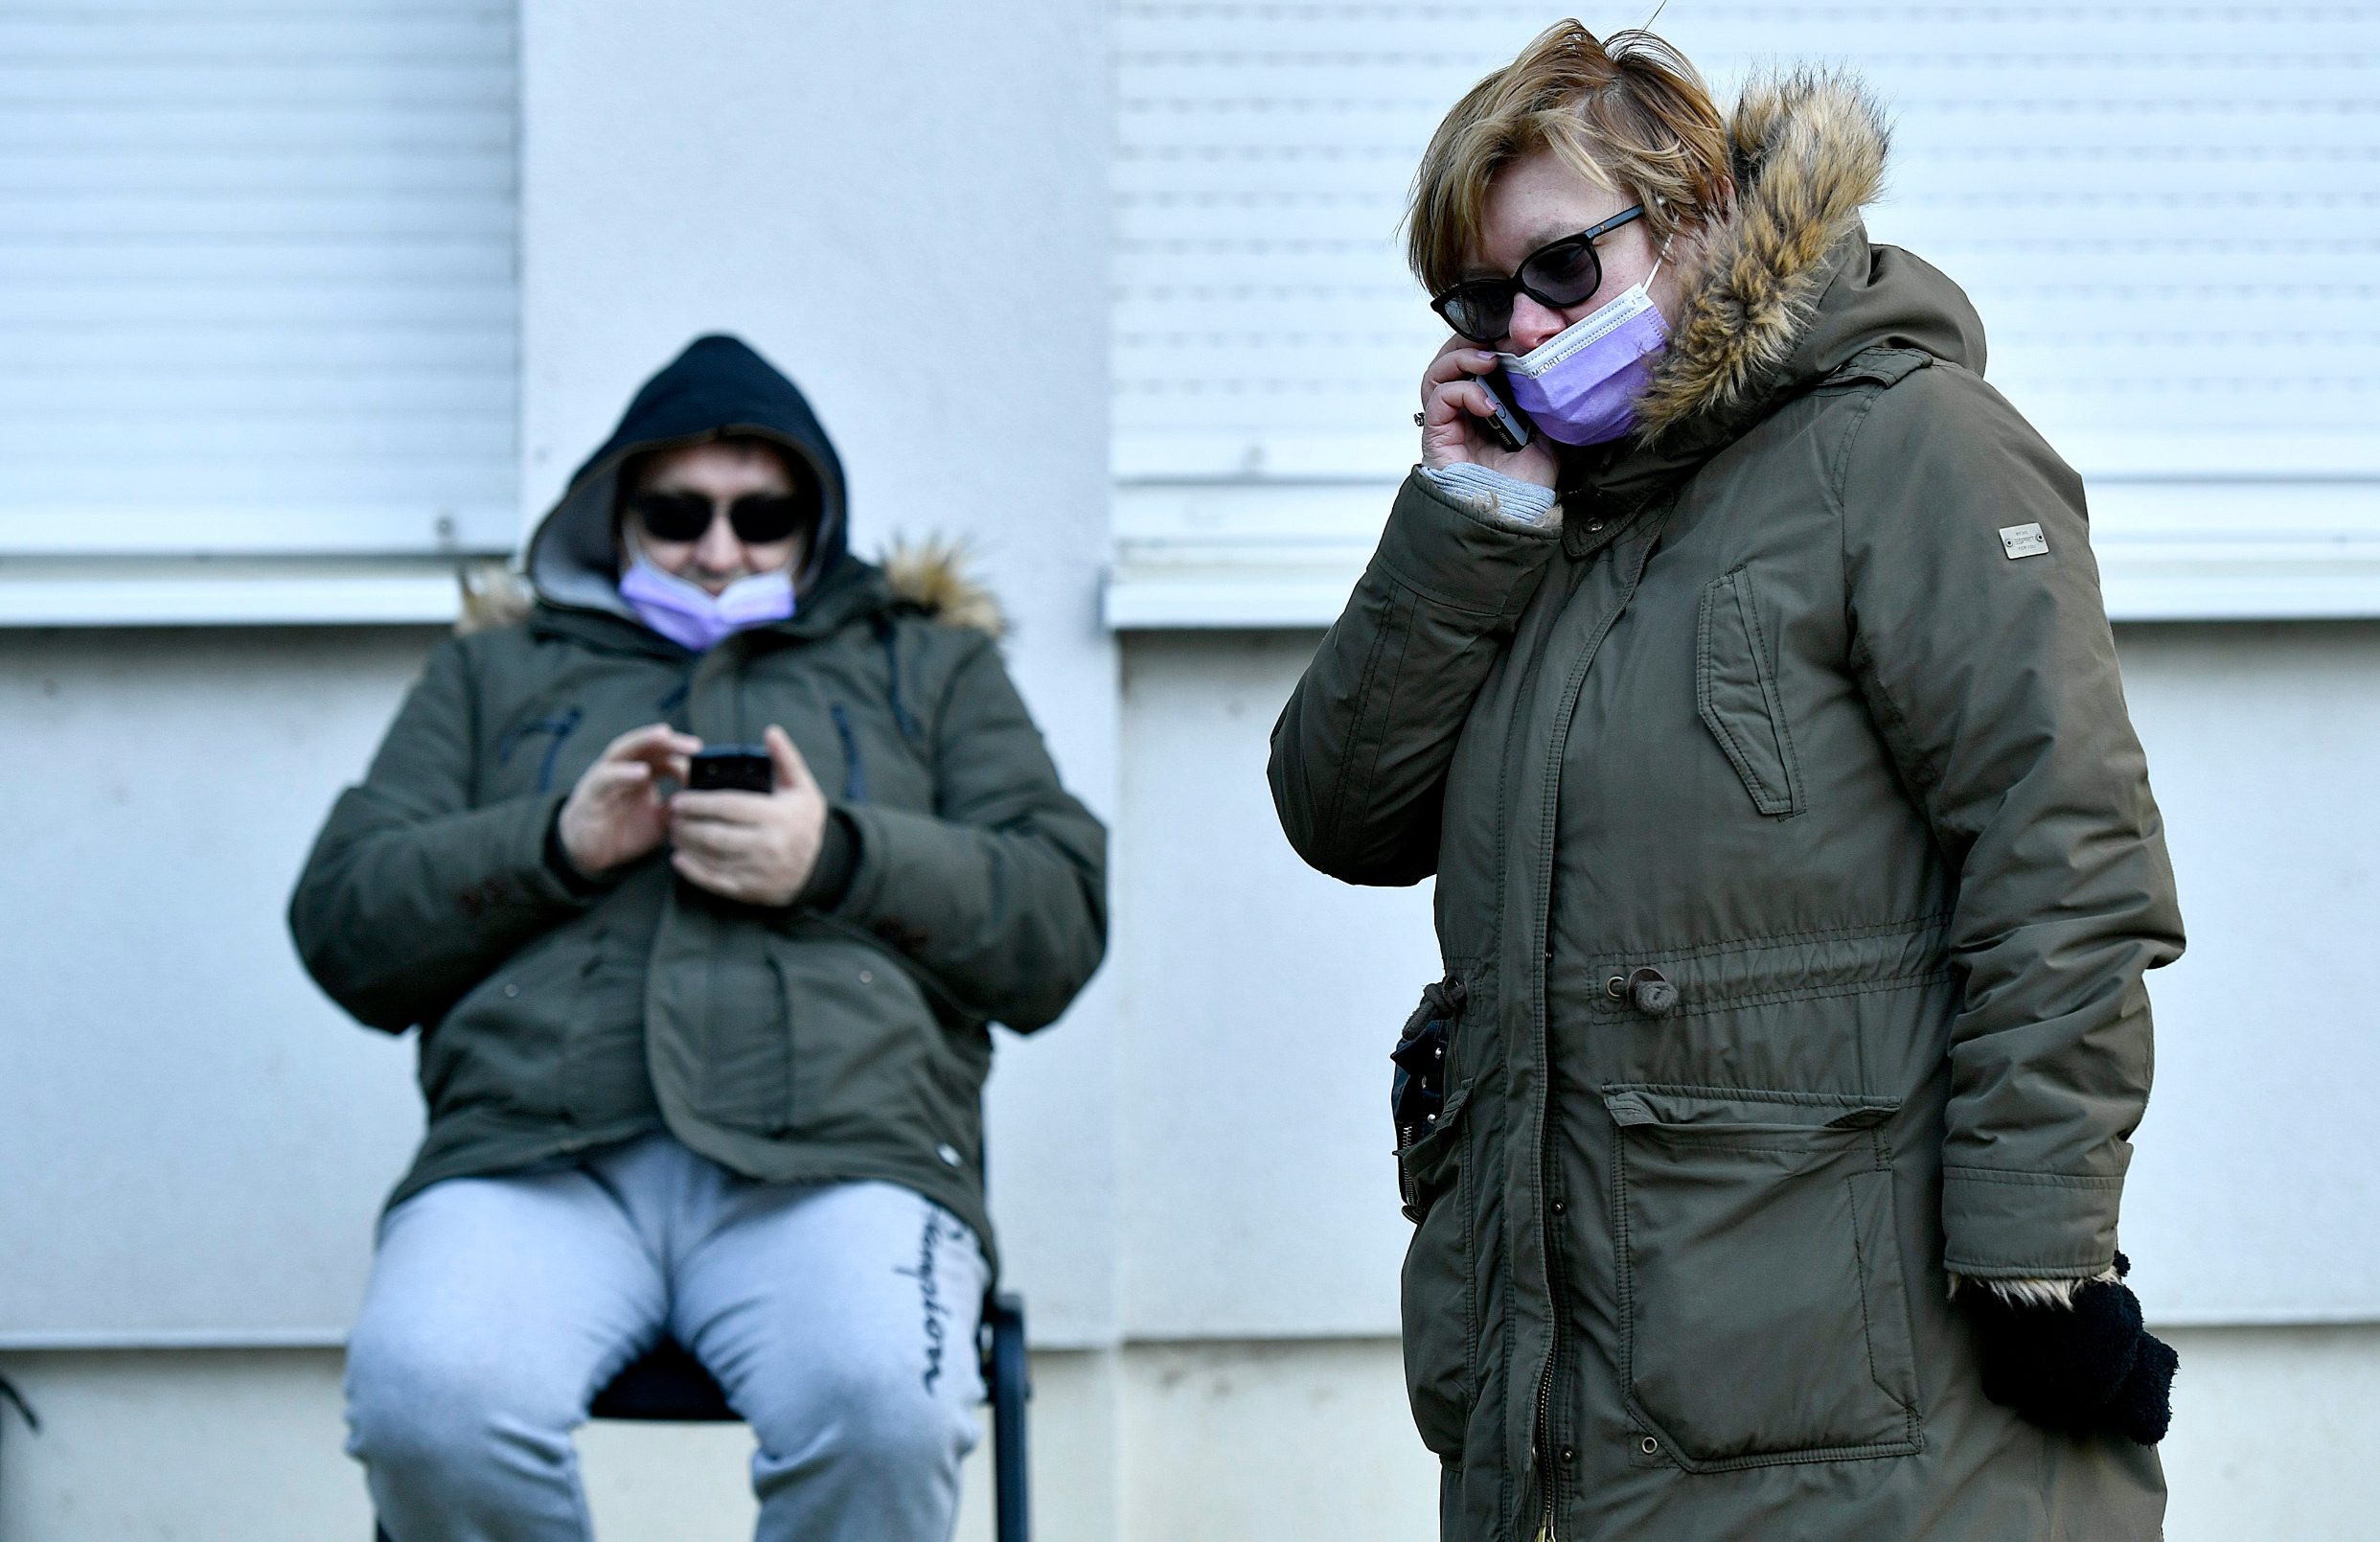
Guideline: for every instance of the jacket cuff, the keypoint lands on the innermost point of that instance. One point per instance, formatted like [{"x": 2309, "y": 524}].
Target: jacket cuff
[
  {"x": 838, "y": 859},
  {"x": 1499, "y": 496},
  {"x": 1452, "y": 549},
  {"x": 884, "y": 863},
  {"x": 898, "y": 886},
  {"x": 578, "y": 884},
  {"x": 2027, "y": 1226}
]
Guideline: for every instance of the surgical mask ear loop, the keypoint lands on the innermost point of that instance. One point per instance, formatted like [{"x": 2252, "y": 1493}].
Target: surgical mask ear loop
[{"x": 1659, "y": 257}]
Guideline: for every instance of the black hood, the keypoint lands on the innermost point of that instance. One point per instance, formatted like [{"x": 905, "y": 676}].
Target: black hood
[{"x": 717, "y": 387}]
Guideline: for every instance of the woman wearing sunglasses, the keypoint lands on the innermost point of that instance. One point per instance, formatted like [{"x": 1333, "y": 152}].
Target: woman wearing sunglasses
[
  {"x": 702, "y": 1063},
  {"x": 1796, "y": 867}
]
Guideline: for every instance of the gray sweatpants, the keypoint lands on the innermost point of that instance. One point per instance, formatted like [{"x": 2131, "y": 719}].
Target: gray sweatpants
[{"x": 838, "y": 1317}]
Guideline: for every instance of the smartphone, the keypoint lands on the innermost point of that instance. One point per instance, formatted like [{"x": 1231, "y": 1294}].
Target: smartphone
[
  {"x": 732, "y": 769},
  {"x": 1508, "y": 425}
]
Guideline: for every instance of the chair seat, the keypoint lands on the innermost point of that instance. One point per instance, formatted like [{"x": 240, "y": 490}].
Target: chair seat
[{"x": 664, "y": 1385}]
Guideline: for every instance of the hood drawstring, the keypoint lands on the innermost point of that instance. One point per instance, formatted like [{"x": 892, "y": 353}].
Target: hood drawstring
[
  {"x": 855, "y": 773},
  {"x": 888, "y": 637}
]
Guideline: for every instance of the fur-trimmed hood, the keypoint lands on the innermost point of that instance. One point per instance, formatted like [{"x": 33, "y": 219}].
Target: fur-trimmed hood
[
  {"x": 718, "y": 385},
  {"x": 936, "y": 576},
  {"x": 1786, "y": 287}
]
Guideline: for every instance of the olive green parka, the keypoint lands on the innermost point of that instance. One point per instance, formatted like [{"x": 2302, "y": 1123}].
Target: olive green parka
[
  {"x": 798, "y": 1044},
  {"x": 1796, "y": 875}
]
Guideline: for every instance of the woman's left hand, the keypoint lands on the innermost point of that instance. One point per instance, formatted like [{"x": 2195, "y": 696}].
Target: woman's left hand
[{"x": 757, "y": 848}]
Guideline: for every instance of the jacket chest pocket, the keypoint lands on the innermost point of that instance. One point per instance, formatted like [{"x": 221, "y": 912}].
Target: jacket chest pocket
[
  {"x": 1735, "y": 690},
  {"x": 1763, "y": 1313}
]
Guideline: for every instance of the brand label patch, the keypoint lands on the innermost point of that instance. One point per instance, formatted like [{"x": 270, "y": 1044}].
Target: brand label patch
[{"x": 2024, "y": 540}]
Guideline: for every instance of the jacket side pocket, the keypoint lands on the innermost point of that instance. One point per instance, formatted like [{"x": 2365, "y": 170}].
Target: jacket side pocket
[
  {"x": 1417, "y": 1092},
  {"x": 863, "y": 1048},
  {"x": 1434, "y": 1286},
  {"x": 1764, "y": 1317},
  {"x": 1735, "y": 690},
  {"x": 503, "y": 1045}
]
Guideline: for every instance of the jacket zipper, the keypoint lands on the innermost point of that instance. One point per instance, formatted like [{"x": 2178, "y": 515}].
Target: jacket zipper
[
  {"x": 1543, "y": 1437},
  {"x": 1553, "y": 1319},
  {"x": 557, "y": 730}
]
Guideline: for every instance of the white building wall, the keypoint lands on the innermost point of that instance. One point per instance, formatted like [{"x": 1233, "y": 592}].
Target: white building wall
[{"x": 195, "y": 1141}]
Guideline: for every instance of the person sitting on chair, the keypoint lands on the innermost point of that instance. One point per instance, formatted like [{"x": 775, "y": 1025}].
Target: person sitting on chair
[{"x": 702, "y": 1064}]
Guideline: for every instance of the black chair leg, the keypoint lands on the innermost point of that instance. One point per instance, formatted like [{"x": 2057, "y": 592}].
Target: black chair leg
[{"x": 1011, "y": 1385}]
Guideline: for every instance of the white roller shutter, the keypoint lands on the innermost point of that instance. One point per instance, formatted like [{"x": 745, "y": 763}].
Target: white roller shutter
[
  {"x": 256, "y": 277},
  {"x": 2168, "y": 215}
]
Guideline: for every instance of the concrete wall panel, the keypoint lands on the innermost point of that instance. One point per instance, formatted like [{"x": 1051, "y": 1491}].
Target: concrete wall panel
[{"x": 196, "y": 1142}]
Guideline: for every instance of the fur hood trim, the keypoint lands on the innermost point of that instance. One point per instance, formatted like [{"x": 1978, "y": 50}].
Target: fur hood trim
[
  {"x": 494, "y": 595},
  {"x": 1809, "y": 149},
  {"x": 935, "y": 574}
]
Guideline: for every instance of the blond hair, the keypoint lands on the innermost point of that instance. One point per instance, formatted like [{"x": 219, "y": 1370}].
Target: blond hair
[{"x": 1630, "y": 115}]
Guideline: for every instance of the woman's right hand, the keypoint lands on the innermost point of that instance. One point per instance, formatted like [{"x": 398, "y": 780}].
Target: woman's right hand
[
  {"x": 615, "y": 814},
  {"x": 1452, "y": 403}
]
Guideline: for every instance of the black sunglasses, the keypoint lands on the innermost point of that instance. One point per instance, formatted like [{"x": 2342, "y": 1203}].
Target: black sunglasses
[
  {"x": 758, "y": 518},
  {"x": 1557, "y": 274}
]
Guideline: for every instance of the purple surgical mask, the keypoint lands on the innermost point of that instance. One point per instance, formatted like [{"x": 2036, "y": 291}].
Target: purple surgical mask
[
  {"x": 692, "y": 616},
  {"x": 1580, "y": 385}
]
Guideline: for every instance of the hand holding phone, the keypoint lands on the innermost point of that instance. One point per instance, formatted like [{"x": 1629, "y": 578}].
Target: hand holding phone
[
  {"x": 754, "y": 850},
  {"x": 731, "y": 769},
  {"x": 1509, "y": 424},
  {"x": 1468, "y": 417},
  {"x": 615, "y": 813}
]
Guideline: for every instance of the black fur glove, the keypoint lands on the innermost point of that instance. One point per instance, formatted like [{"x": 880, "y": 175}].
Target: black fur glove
[{"x": 2076, "y": 1369}]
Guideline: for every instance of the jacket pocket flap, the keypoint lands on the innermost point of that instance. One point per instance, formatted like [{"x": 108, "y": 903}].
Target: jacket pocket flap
[
  {"x": 1737, "y": 1111},
  {"x": 1758, "y": 1269},
  {"x": 1425, "y": 1161},
  {"x": 1735, "y": 690}
]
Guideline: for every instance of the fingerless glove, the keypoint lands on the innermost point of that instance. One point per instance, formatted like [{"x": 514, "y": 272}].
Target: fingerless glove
[{"x": 2081, "y": 1369}]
